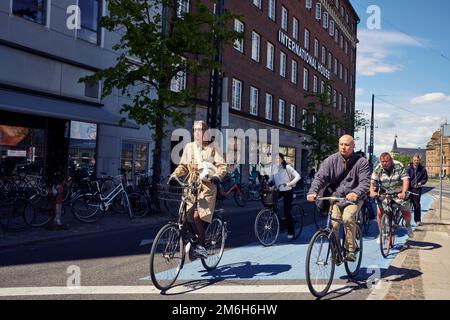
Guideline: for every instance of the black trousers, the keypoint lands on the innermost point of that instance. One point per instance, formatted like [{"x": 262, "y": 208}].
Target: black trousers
[
  {"x": 288, "y": 197},
  {"x": 415, "y": 200}
]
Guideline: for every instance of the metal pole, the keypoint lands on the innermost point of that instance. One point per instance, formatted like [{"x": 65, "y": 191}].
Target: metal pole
[
  {"x": 440, "y": 173},
  {"x": 365, "y": 139},
  {"x": 371, "y": 133}
]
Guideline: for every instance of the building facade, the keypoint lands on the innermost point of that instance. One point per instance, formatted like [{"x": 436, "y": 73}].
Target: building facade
[
  {"x": 291, "y": 48},
  {"x": 48, "y": 120},
  {"x": 408, "y": 151},
  {"x": 433, "y": 151}
]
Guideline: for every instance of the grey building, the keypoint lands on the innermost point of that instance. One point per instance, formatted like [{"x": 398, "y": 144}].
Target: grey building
[{"x": 45, "y": 113}]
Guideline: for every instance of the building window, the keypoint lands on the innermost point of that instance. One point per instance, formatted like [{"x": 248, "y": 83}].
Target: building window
[
  {"x": 334, "y": 99},
  {"x": 325, "y": 20},
  {"x": 331, "y": 28},
  {"x": 308, "y": 4},
  {"x": 271, "y": 11},
  {"x": 32, "y": 10},
  {"x": 340, "y": 102},
  {"x": 236, "y": 101},
  {"x": 322, "y": 87},
  {"x": 183, "y": 7},
  {"x": 340, "y": 71},
  {"x": 269, "y": 106},
  {"x": 315, "y": 84},
  {"x": 314, "y": 122},
  {"x": 294, "y": 72},
  {"x": 330, "y": 60},
  {"x": 304, "y": 119},
  {"x": 270, "y": 55},
  {"x": 341, "y": 42},
  {"x": 289, "y": 155},
  {"x": 346, "y": 76},
  {"x": 337, "y": 4},
  {"x": 336, "y": 35},
  {"x": 316, "y": 48},
  {"x": 91, "y": 89},
  {"x": 257, "y": 3},
  {"x": 295, "y": 28},
  {"x": 345, "y": 104},
  {"x": 254, "y": 101},
  {"x": 284, "y": 18},
  {"x": 256, "y": 45},
  {"x": 90, "y": 20},
  {"x": 293, "y": 115},
  {"x": 281, "y": 111},
  {"x": 346, "y": 47},
  {"x": 178, "y": 83},
  {"x": 305, "y": 79},
  {"x": 282, "y": 64},
  {"x": 318, "y": 11},
  {"x": 324, "y": 55},
  {"x": 351, "y": 81},
  {"x": 306, "y": 39},
  {"x": 239, "y": 43},
  {"x": 335, "y": 66},
  {"x": 134, "y": 158}
]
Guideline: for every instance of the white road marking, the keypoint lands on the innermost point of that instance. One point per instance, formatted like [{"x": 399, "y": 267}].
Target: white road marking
[
  {"x": 116, "y": 290},
  {"x": 146, "y": 242}
]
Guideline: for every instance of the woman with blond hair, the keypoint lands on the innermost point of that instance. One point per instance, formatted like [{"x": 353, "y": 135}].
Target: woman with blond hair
[
  {"x": 418, "y": 176},
  {"x": 202, "y": 160}
]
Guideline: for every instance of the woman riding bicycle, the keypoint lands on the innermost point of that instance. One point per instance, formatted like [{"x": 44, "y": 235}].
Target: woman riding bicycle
[
  {"x": 202, "y": 160},
  {"x": 285, "y": 177}
]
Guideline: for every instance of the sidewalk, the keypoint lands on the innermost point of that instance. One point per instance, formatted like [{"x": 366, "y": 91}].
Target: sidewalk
[
  {"x": 422, "y": 271},
  {"x": 19, "y": 233}
]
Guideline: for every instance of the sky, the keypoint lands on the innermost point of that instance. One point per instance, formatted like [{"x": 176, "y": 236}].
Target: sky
[{"x": 406, "y": 65}]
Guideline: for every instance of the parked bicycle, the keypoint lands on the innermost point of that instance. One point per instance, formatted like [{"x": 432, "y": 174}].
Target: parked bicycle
[
  {"x": 325, "y": 252},
  {"x": 390, "y": 221},
  {"x": 366, "y": 215},
  {"x": 225, "y": 188},
  {"x": 267, "y": 223},
  {"x": 175, "y": 239},
  {"x": 254, "y": 189}
]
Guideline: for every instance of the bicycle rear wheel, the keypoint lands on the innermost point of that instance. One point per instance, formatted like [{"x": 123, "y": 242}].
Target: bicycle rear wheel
[
  {"x": 297, "y": 214},
  {"x": 385, "y": 235},
  {"x": 215, "y": 237},
  {"x": 352, "y": 268},
  {"x": 241, "y": 197},
  {"x": 166, "y": 256},
  {"x": 267, "y": 227},
  {"x": 320, "y": 264},
  {"x": 38, "y": 213},
  {"x": 139, "y": 204}
]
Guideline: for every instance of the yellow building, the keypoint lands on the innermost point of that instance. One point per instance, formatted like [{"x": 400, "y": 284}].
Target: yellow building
[{"x": 433, "y": 150}]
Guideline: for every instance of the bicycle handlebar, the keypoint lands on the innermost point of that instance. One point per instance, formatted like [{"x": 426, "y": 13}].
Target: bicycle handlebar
[
  {"x": 337, "y": 199},
  {"x": 191, "y": 186}
]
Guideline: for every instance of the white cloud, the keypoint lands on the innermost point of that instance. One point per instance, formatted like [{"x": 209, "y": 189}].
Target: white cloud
[
  {"x": 359, "y": 92},
  {"x": 376, "y": 48},
  {"x": 429, "y": 98}
]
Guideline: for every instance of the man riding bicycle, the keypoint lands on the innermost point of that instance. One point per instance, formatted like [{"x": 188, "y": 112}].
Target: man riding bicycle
[
  {"x": 343, "y": 174},
  {"x": 391, "y": 175},
  {"x": 204, "y": 161}
]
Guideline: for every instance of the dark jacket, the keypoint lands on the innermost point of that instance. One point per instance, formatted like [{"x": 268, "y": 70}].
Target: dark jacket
[
  {"x": 416, "y": 176},
  {"x": 357, "y": 180}
]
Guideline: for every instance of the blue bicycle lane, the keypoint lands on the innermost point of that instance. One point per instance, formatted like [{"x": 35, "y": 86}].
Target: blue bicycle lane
[{"x": 285, "y": 260}]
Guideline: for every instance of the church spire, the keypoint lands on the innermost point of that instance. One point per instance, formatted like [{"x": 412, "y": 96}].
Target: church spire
[{"x": 394, "y": 147}]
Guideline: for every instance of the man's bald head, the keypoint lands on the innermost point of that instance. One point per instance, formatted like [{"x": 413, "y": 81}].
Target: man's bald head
[{"x": 346, "y": 145}]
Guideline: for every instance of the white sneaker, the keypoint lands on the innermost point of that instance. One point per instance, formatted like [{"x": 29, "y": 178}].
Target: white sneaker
[
  {"x": 378, "y": 240},
  {"x": 290, "y": 236},
  {"x": 201, "y": 252},
  {"x": 188, "y": 247},
  {"x": 410, "y": 232}
]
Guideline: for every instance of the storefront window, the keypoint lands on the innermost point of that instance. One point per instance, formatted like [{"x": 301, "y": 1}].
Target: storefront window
[
  {"x": 21, "y": 150},
  {"x": 82, "y": 147},
  {"x": 134, "y": 158},
  {"x": 289, "y": 155}
]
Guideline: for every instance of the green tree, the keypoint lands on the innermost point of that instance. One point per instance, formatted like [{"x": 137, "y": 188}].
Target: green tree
[
  {"x": 156, "y": 45},
  {"x": 404, "y": 159},
  {"x": 321, "y": 124}
]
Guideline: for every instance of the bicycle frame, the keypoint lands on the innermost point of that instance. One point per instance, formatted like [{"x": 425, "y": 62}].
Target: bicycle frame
[
  {"x": 225, "y": 194},
  {"x": 119, "y": 189}
]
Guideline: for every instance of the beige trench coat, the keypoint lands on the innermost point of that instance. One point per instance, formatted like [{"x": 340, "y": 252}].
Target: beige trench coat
[{"x": 189, "y": 165}]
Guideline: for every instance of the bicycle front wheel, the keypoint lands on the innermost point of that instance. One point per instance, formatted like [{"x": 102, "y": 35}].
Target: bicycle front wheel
[
  {"x": 166, "y": 257},
  {"x": 320, "y": 264},
  {"x": 352, "y": 267},
  {"x": 39, "y": 213},
  {"x": 267, "y": 227},
  {"x": 139, "y": 204},
  {"x": 297, "y": 215},
  {"x": 88, "y": 208},
  {"x": 385, "y": 235},
  {"x": 215, "y": 237}
]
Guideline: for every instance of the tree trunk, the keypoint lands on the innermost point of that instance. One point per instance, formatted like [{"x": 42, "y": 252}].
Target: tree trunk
[{"x": 157, "y": 165}]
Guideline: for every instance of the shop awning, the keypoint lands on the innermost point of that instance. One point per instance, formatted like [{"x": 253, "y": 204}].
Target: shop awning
[{"x": 14, "y": 101}]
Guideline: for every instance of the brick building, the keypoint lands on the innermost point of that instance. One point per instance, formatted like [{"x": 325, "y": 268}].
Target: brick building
[
  {"x": 433, "y": 150},
  {"x": 290, "y": 48}
]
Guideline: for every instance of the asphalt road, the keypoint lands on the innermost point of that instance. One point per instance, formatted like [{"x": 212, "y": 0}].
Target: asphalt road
[{"x": 115, "y": 265}]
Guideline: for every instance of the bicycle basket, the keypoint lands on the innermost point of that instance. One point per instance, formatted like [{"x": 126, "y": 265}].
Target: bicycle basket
[{"x": 269, "y": 197}]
